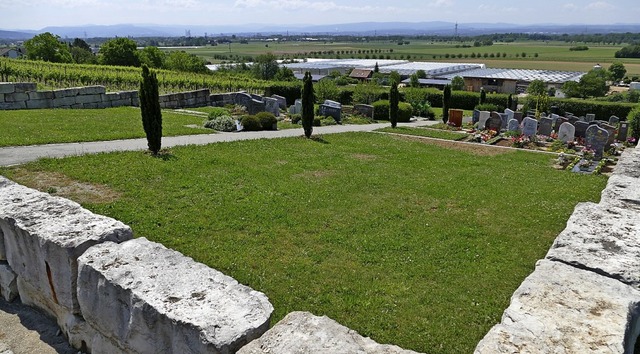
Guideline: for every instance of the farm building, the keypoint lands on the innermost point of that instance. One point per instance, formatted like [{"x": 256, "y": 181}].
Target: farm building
[
  {"x": 10, "y": 53},
  {"x": 512, "y": 80}
]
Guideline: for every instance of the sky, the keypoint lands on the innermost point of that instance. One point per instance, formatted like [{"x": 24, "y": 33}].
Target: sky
[{"x": 37, "y": 14}]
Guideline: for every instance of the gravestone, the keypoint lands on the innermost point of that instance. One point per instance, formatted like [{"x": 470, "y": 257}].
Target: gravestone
[
  {"x": 566, "y": 132},
  {"x": 613, "y": 120},
  {"x": 518, "y": 116},
  {"x": 529, "y": 126},
  {"x": 271, "y": 105},
  {"x": 555, "y": 118},
  {"x": 568, "y": 115},
  {"x": 332, "y": 109},
  {"x": 282, "y": 101},
  {"x": 573, "y": 119},
  {"x": 513, "y": 125},
  {"x": 581, "y": 128},
  {"x": 611, "y": 130},
  {"x": 482, "y": 121},
  {"x": 256, "y": 97},
  {"x": 467, "y": 120},
  {"x": 582, "y": 119},
  {"x": 596, "y": 139},
  {"x": 559, "y": 122},
  {"x": 505, "y": 120},
  {"x": 296, "y": 108},
  {"x": 494, "y": 122},
  {"x": 531, "y": 113},
  {"x": 510, "y": 114},
  {"x": 623, "y": 130},
  {"x": 546, "y": 126},
  {"x": 252, "y": 105},
  {"x": 455, "y": 117},
  {"x": 476, "y": 116},
  {"x": 364, "y": 109},
  {"x": 590, "y": 117}
]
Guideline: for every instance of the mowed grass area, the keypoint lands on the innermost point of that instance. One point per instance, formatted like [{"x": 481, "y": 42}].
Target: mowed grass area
[
  {"x": 411, "y": 243},
  {"x": 47, "y": 126},
  {"x": 425, "y": 132}
]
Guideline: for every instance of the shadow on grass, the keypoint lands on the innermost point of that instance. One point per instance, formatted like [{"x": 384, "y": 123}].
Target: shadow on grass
[
  {"x": 164, "y": 155},
  {"x": 319, "y": 139}
]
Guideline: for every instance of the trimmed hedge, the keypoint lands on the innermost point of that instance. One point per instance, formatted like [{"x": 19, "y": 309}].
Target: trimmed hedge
[
  {"x": 250, "y": 123},
  {"x": 289, "y": 90},
  {"x": 267, "y": 120},
  {"x": 464, "y": 99},
  {"x": 602, "y": 110},
  {"x": 381, "y": 111}
]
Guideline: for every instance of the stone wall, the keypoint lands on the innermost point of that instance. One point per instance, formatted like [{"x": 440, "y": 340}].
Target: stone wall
[
  {"x": 584, "y": 296},
  {"x": 26, "y": 96}
]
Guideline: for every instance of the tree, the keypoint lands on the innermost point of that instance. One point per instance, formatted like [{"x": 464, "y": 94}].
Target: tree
[
  {"x": 394, "y": 99},
  {"x": 284, "y": 74},
  {"x": 376, "y": 69},
  {"x": 394, "y": 76},
  {"x": 152, "y": 57},
  {"x": 617, "y": 71},
  {"x": 81, "y": 52},
  {"x": 414, "y": 81},
  {"x": 326, "y": 89},
  {"x": 510, "y": 101},
  {"x": 446, "y": 100},
  {"x": 265, "y": 66},
  {"x": 183, "y": 61},
  {"x": 308, "y": 101},
  {"x": 150, "y": 110},
  {"x": 48, "y": 47},
  {"x": 365, "y": 92},
  {"x": 634, "y": 123},
  {"x": 594, "y": 84},
  {"x": 483, "y": 96},
  {"x": 421, "y": 74},
  {"x": 537, "y": 88},
  {"x": 119, "y": 51},
  {"x": 457, "y": 83}
]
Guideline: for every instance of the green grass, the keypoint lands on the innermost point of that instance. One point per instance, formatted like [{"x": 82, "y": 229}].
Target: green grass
[
  {"x": 46, "y": 126},
  {"x": 426, "y": 132},
  {"x": 406, "y": 242}
]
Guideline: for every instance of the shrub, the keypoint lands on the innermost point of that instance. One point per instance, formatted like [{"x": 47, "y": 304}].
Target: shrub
[
  {"x": 487, "y": 107},
  {"x": 250, "y": 123},
  {"x": 221, "y": 124},
  {"x": 405, "y": 112},
  {"x": 317, "y": 122},
  {"x": 634, "y": 122},
  {"x": 381, "y": 110},
  {"x": 267, "y": 120},
  {"x": 602, "y": 110},
  {"x": 218, "y": 112},
  {"x": 296, "y": 118}
]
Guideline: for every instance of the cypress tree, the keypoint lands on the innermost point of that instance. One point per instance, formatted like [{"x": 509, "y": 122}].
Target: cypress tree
[
  {"x": 446, "y": 99},
  {"x": 308, "y": 100},
  {"x": 150, "y": 110},
  {"x": 483, "y": 96},
  {"x": 394, "y": 98},
  {"x": 510, "y": 102}
]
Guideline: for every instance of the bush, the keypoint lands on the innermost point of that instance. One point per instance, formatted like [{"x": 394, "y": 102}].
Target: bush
[
  {"x": 221, "y": 124},
  {"x": 289, "y": 90},
  {"x": 218, "y": 112},
  {"x": 296, "y": 118},
  {"x": 602, "y": 110},
  {"x": 267, "y": 120},
  {"x": 381, "y": 110},
  {"x": 250, "y": 123},
  {"x": 405, "y": 112},
  {"x": 317, "y": 122},
  {"x": 634, "y": 122},
  {"x": 487, "y": 107}
]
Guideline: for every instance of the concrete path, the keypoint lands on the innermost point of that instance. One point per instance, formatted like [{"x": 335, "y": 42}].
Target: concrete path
[{"x": 22, "y": 154}]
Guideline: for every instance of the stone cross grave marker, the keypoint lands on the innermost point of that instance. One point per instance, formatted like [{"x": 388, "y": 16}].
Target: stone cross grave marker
[
  {"x": 623, "y": 130},
  {"x": 613, "y": 120},
  {"x": 529, "y": 126},
  {"x": 581, "y": 128},
  {"x": 596, "y": 139},
  {"x": 482, "y": 120},
  {"x": 513, "y": 125},
  {"x": 546, "y": 125},
  {"x": 566, "y": 132}
]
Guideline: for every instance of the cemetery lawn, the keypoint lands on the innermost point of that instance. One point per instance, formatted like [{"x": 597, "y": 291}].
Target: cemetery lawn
[
  {"x": 426, "y": 132},
  {"x": 411, "y": 243},
  {"x": 47, "y": 126}
]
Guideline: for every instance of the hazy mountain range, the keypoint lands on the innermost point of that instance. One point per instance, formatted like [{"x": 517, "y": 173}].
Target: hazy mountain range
[{"x": 363, "y": 28}]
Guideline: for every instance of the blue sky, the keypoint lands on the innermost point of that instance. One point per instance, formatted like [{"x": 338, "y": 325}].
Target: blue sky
[{"x": 36, "y": 14}]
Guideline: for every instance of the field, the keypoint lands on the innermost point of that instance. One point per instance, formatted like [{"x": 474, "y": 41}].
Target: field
[
  {"x": 407, "y": 242},
  {"x": 550, "y": 55}
]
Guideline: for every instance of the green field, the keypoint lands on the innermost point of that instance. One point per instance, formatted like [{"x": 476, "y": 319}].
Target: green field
[
  {"x": 550, "y": 55},
  {"x": 410, "y": 243},
  {"x": 47, "y": 126}
]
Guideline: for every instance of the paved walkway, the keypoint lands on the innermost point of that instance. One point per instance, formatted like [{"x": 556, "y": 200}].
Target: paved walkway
[{"x": 22, "y": 154}]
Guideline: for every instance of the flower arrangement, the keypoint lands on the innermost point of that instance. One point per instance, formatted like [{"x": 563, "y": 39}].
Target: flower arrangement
[
  {"x": 587, "y": 153},
  {"x": 520, "y": 141}
]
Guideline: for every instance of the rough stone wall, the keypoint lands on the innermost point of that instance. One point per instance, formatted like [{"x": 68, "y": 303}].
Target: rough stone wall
[
  {"x": 584, "y": 296},
  {"x": 26, "y": 96}
]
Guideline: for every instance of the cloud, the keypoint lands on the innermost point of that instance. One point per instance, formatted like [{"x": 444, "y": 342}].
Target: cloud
[
  {"x": 441, "y": 3},
  {"x": 599, "y": 6},
  {"x": 322, "y": 6},
  {"x": 570, "y": 6}
]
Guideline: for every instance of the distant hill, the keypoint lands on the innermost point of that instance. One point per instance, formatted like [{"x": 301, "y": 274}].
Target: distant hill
[{"x": 362, "y": 28}]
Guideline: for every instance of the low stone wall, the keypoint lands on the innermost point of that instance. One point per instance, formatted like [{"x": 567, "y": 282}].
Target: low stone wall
[
  {"x": 584, "y": 296},
  {"x": 25, "y": 96}
]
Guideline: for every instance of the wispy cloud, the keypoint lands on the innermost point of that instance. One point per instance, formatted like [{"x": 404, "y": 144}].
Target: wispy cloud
[{"x": 599, "y": 6}]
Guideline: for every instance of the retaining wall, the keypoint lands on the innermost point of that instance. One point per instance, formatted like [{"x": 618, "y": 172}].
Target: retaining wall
[{"x": 25, "y": 96}]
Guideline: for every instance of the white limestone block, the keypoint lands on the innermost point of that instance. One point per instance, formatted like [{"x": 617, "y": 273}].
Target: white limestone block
[
  {"x": 44, "y": 235},
  {"x": 302, "y": 332},
  {"x": 563, "y": 309},
  {"x": 150, "y": 299}
]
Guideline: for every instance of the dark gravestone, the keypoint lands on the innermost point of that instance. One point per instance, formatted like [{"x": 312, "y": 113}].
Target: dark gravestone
[
  {"x": 613, "y": 120},
  {"x": 623, "y": 130},
  {"x": 596, "y": 139},
  {"x": 581, "y": 128},
  {"x": 332, "y": 109},
  {"x": 494, "y": 122},
  {"x": 513, "y": 126},
  {"x": 590, "y": 117},
  {"x": 559, "y": 122},
  {"x": 555, "y": 110},
  {"x": 256, "y": 97},
  {"x": 518, "y": 116},
  {"x": 364, "y": 109},
  {"x": 476, "y": 116},
  {"x": 529, "y": 126},
  {"x": 545, "y": 127},
  {"x": 252, "y": 105},
  {"x": 455, "y": 117},
  {"x": 505, "y": 119},
  {"x": 566, "y": 132},
  {"x": 568, "y": 115},
  {"x": 611, "y": 130},
  {"x": 282, "y": 101},
  {"x": 271, "y": 105},
  {"x": 573, "y": 119}
]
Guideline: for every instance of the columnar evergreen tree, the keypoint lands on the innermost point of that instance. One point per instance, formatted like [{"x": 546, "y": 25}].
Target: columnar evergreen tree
[
  {"x": 150, "y": 110},
  {"x": 483, "y": 96},
  {"x": 308, "y": 100},
  {"x": 446, "y": 99},
  {"x": 510, "y": 102},
  {"x": 394, "y": 99}
]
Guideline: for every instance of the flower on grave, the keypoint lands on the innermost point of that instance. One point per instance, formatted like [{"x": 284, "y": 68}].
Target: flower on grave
[
  {"x": 520, "y": 141},
  {"x": 585, "y": 164},
  {"x": 631, "y": 140},
  {"x": 587, "y": 153}
]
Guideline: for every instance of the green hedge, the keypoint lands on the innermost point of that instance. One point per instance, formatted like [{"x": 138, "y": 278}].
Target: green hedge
[
  {"x": 381, "y": 111},
  {"x": 289, "y": 90},
  {"x": 464, "y": 99},
  {"x": 602, "y": 110}
]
